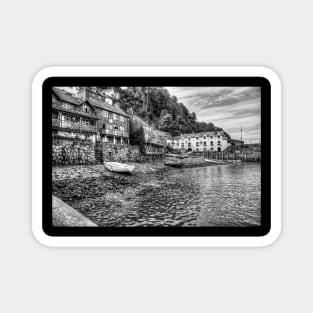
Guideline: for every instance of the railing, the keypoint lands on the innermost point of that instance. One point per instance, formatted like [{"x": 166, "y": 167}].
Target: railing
[
  {"x": 105, "y": 131},
  {"x": 89, "y": 128},
  {"x": 73, "y": 126}
]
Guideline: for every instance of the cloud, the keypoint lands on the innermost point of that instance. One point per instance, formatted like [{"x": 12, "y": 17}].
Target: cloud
[{"x": 227, "y": 107}]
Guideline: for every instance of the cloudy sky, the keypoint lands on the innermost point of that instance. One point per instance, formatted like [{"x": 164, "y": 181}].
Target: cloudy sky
[{"x": 226, "y": 107}]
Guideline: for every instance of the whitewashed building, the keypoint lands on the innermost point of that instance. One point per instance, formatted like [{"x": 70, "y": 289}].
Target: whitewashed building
[{"x": 200, "y": 142}]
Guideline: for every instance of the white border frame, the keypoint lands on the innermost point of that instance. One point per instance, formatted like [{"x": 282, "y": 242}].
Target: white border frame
[{"x": 101, "y": 71}]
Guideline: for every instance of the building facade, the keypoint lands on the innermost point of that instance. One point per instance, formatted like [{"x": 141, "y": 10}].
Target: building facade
[
  {"x": 113, "y": 123},
  {"x": 200, "y": 142},
  {"x": 94, "y": 114},
  {"x": 73, "y": 118}
]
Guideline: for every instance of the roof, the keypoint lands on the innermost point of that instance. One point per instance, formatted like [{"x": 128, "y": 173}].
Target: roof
[
  {"x": 63, "y": 96},
  {"x": 80, "y": 113},
  {"x": 219, "y": 132},
  {"x": 102, "y": 105}
]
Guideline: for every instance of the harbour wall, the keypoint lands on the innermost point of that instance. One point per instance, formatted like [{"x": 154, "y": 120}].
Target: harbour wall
[
  {"x": 79, "y": 152},
  {"x": 72, "y": 152},
  {"x": 110, "y": 152}
]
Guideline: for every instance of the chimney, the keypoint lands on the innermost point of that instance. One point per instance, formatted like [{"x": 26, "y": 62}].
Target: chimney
[
  {"x": 116, "y": 104},
  {"x": 82, "y": 93},
  {"x": 130, "y": 111}
]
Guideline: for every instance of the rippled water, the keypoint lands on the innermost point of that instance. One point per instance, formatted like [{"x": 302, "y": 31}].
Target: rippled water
[{"x": 224, "y": 195}]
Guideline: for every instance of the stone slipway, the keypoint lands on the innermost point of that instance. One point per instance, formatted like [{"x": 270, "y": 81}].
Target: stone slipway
[{"x": 66, "y": 216}]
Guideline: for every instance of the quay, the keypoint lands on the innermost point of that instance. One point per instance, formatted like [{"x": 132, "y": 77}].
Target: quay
[{"x": 64, "y": 216}]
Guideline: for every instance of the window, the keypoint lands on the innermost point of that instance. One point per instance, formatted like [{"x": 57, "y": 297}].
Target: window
[
  {"x": 108, "y": 101},
  {"x": 121, "y": 118},
  {"x": 182, "y": 145},
  {"x": 200, "y": 143},
  {"x": 219, "y": 142},
  {"x": 85, "y": 108},
  {"x": 105, "y": 114},
  {"x": 67, "y": 106},
  {"x": 188, "y": 138},
  {"x": 114, "y": 116},
  {"x": 122, "y": 128},
  {"x": 211, "y": 137},
  {"x": 197, "y": 138},
  {"x": 204, "y": 149},
  {"x": 204, "y": 137},
  {"x": 85, "y": 122},
  {"x": 211, "y": 149},
  {"x": 197, "y": 144},
  {"x": 211, "y": 143},
  {"x": 218, "y": 136},
  {"x": 189, "y": 144},
  {"x": 197, "y": 149},
  {"x": 204, "y": 143},
  {"x": 66, "y": 118}
]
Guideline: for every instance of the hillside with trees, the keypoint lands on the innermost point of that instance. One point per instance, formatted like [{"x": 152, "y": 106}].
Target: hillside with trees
[{"x": 156, "y": 106}]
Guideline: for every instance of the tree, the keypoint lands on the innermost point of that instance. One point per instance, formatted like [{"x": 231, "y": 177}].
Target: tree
[
  {"x": 133, "y": 134},
  {"x": 141, "y": 140},
  {"x": 156, "y": 106}
]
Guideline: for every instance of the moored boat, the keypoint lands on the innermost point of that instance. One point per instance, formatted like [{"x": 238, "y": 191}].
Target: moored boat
[
  {"x": 174, "y": 163},
  {"x": 183, "y": 156},
  {"x": 119, "y": 167},
  {"x": 179, "y": 156},
  {"x": 171, "y": 155},
  {"x": 212, "y": 161}
]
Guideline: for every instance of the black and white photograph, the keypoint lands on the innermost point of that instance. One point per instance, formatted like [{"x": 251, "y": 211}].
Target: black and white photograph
[{"x": 125, "y": 156}]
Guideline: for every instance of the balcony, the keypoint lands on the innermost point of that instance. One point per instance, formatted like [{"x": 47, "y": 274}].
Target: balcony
[
  {"x": 105, "y": 131},
  {"x": 78, "y": 127},
  {"x": 113, "y": 132}
]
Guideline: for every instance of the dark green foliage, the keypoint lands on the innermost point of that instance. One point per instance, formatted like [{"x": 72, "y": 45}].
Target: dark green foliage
[
  {"x": 155, "y": 105},
  {"x": 141, "y": 139},
  {"x": 137, "y": 137},
  {"x": 133, "y": 134}
]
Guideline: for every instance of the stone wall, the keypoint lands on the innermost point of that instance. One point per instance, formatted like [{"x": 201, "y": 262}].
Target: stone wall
[
  {"x": 110, "y": 152},
  {"x": 75, "y": 152},
  {"x": 72, "y": 152}
]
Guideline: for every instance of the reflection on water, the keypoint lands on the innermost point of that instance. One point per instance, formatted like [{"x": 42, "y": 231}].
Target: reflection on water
[{"x": 224, "y": 195}]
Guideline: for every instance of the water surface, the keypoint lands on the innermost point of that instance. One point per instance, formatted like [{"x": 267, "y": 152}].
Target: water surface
[{"x": 222, "y": 195}]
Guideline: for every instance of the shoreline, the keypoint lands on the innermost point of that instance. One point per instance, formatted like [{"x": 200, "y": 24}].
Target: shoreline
[
  {"x": 104, "y": 197},
  {"x": 85, "y": 187}
]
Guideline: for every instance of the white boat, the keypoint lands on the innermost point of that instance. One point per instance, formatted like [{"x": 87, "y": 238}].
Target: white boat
[
  {"x": 119, "y": 167},
  {"x": 174, "y": 163},
  {"x": 212, "y": 161}
]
